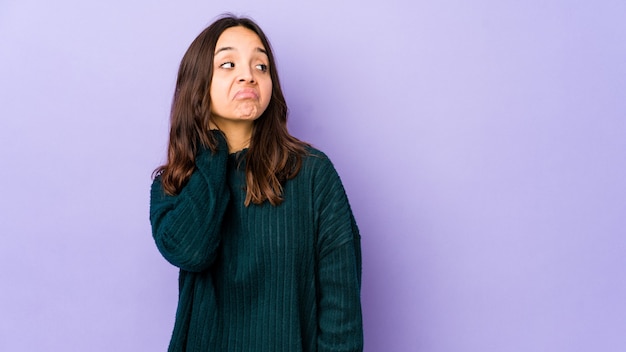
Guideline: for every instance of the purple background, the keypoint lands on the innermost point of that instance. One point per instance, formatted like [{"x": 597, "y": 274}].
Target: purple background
[{"x": 482, "y": 145}]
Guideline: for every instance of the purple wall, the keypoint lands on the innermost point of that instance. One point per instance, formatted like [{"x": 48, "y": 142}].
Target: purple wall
[{"x": 482, "y": 144}]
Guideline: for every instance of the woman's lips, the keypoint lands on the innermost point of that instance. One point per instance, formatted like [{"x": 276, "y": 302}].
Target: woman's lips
[{"x": 246, "y": 93}]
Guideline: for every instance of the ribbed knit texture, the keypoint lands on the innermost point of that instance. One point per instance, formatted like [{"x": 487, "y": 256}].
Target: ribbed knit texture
[{"x": 261, "y": 278}]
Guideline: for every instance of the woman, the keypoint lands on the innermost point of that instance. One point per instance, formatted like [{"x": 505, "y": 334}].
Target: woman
[{"x": 257, "y": 221}]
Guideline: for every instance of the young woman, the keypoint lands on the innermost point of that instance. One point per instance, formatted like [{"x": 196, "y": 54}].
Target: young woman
[{"x": 257, "y": 221}]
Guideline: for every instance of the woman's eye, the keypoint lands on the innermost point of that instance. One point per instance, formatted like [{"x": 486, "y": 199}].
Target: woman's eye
[
  {"x": 227, "y": 65},
  {"x": 262, "y": 67}
]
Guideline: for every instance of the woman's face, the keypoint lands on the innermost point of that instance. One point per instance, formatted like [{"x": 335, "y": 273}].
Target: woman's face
[{"x": 241, "y": 87}]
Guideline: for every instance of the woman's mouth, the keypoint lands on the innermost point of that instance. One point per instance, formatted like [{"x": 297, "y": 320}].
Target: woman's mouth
[{"x": 246, "y": 93}]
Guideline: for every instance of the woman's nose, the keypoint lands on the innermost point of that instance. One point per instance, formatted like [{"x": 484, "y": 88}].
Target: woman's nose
[{"x": 246, "y": 75}]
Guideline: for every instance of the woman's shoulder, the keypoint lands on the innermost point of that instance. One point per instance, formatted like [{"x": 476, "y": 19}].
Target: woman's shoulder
[
  {"x": 315, "y": 157},
  {"x": 317, "y": 163}
]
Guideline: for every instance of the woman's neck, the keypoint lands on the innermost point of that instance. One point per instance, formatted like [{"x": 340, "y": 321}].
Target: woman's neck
[{"x": 238, "y": 133}]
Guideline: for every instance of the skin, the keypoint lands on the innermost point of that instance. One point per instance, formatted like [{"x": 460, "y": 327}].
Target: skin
[{"x": 241, "y": 87}]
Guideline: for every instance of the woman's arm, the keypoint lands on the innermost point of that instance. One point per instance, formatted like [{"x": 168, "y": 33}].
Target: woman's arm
[
  {"x": 186, "y": 226},
  {"x": 339, "y": 267}
]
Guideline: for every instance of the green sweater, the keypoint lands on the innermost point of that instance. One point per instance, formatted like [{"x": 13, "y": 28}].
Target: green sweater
[{"x": 261, "y": 278}]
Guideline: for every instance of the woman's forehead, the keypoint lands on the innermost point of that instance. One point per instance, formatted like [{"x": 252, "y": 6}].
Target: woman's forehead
[{"x": 239, "y": 38}]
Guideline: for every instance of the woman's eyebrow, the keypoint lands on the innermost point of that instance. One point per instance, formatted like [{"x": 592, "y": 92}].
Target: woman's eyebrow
[
  {"x": 229, "y": 48},
  {"x": 226, "y": 48}
]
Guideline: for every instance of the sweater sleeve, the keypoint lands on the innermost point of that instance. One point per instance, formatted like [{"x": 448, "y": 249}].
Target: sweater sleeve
[
  {"x": 186, "y": 226},
  {"x": 339, "y": 267}
]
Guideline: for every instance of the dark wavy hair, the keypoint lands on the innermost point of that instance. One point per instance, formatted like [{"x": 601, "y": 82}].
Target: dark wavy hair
[{"x": 273, "y": 156}]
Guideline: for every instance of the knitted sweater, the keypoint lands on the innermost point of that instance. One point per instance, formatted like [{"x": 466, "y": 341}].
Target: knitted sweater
[{"x": 280, "y": 278}]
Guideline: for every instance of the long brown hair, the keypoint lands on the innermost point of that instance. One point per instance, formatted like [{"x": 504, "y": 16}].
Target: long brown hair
[{"x": 273, "y": 156}]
